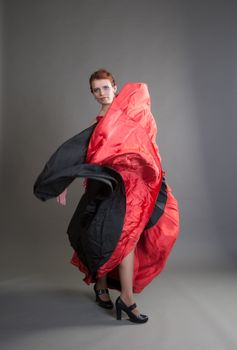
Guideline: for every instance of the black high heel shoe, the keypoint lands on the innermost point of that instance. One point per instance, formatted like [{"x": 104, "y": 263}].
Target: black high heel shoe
[
  {"x": 105, "y": 304},
  {"x": 120, "y": 305}
]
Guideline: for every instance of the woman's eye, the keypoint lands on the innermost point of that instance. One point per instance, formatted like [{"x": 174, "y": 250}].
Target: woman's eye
[
  {"x": 96, "y": 90},
  {"x": 106, "y": 87}
]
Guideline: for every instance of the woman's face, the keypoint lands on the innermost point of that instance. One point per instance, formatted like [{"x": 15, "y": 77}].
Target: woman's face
[{"x": 103, "y": 91}]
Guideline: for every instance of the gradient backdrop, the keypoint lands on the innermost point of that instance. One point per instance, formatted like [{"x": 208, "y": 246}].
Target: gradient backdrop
[{"x": 186, "y": 51}]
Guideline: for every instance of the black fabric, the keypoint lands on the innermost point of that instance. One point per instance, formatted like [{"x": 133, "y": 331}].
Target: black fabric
[
  {"x": 97, "y": 222},
  {"x": 63, "y": 166},
  {"x": 159, "y": 206}
]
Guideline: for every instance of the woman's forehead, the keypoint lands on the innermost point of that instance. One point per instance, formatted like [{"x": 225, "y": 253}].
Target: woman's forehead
[{"x": 100, "y": 82}]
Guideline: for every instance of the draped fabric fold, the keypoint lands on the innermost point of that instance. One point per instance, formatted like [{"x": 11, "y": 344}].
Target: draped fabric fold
[{"x": 127, "y": 203}]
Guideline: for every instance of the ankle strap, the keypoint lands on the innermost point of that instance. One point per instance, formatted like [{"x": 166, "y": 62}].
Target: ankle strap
[
  {"x": 133, "y": 306},
  {"x": 102, "y": 291}
]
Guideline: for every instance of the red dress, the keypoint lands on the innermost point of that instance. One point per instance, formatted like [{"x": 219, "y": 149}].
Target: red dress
[{"x": 125, "y": 140}]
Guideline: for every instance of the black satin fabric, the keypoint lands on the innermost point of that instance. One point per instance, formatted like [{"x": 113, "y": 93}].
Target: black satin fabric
[{"x": 159, "y": 206}]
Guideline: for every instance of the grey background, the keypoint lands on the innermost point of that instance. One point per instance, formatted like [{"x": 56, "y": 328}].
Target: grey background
[{"x": 186, "y": 52}]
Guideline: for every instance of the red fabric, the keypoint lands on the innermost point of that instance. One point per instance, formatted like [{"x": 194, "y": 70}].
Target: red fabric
[{"x": 124, "y": 139}]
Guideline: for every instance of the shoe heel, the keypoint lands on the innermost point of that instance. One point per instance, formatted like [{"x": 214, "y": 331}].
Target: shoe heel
[{"x": 118, "y": 312}]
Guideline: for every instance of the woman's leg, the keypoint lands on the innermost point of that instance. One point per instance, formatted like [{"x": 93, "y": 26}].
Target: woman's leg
[
  {"x": 126, "y": 268},
  {"x": 101, "y": 283}
]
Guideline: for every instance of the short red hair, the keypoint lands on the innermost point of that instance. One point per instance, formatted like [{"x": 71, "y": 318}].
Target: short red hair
[{"x": 101, "y": 74}]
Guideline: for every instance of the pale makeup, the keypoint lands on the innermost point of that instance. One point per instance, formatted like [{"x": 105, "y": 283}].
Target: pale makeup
[{"x": 104, "y": 93}]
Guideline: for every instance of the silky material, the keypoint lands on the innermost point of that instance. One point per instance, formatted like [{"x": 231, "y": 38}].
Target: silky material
[{"x": 124, "y": 140}]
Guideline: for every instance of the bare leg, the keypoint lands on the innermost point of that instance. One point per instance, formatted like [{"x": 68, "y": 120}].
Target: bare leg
[
  {"x": 126, "y": 268},
  {"x": 101, "y": 283}
]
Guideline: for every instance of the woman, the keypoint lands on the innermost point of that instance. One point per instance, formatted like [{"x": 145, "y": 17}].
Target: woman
[{"x": 127, "y": 221}]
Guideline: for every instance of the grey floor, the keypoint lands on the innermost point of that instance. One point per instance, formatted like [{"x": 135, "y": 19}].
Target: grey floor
[{"x": 187, "y": 311}]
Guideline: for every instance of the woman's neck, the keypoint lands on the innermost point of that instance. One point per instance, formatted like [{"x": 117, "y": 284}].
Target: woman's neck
[{"x": 104, "y": 110}]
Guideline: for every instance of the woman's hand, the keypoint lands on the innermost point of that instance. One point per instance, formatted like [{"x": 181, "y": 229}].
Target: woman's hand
[{"x": 61, "y": 199}]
